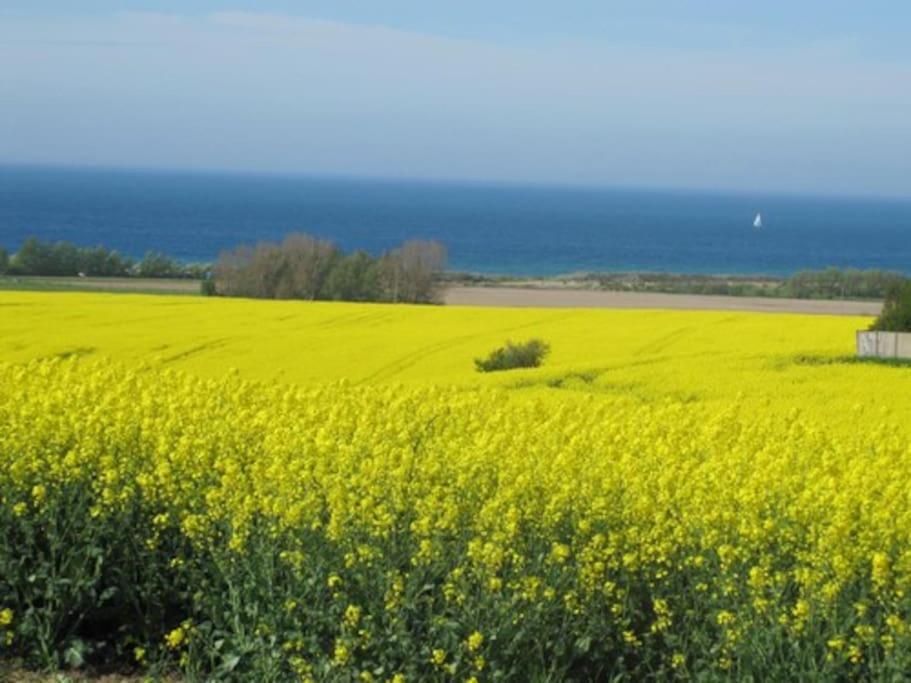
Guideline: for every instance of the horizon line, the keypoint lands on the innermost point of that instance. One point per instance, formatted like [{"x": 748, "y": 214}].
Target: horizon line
[{"x": 457, "y": 180}]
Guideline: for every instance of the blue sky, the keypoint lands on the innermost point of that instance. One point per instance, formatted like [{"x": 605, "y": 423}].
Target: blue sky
[{"x": 798, "y": 96}]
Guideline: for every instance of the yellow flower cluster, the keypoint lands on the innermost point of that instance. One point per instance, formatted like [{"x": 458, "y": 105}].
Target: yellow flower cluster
[
  {"x": 772, "y": 518},
  {"x": 6, "y": 626},
  {"x": 666, "y": 474}
]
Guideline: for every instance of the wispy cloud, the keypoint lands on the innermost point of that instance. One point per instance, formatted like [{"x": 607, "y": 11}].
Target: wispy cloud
[{"x": 269, "y": 91}]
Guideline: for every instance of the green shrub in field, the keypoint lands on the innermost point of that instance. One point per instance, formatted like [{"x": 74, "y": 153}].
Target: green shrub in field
[
  {"x": 528, "y": 354},
  {"x": 896, "y": 313}
]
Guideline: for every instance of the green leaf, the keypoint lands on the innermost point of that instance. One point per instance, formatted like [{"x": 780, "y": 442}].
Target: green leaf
[
  {"x": 584, "y": 643},
  {"x": 230, "y": 663},
  {"x": 74, "y": 656}
]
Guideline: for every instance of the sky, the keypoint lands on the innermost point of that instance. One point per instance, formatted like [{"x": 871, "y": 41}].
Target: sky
[{"x": 809, "y": 96}]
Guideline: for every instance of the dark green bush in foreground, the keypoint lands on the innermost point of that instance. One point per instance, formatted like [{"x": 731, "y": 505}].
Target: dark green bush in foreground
[{"x": 529, "y": 354}]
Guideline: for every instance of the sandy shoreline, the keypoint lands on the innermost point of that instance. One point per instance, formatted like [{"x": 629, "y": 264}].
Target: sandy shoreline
[{"x": 577, "y": 298}]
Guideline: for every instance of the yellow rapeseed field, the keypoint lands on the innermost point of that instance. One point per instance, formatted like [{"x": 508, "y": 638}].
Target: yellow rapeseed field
[
  {"x": 678, "y": 355},
  {"x": 313, "y": 491}
]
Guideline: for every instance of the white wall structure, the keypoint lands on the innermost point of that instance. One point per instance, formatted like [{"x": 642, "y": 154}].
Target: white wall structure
[{"x": 883, "y": 344}]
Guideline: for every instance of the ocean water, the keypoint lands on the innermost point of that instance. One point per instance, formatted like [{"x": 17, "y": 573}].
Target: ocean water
[{"x": 509, "y": 229}]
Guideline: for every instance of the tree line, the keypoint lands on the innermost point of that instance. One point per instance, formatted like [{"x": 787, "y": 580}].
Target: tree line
[
  {"x": 830, "y": 283},
  {"x": 304, "y": 267},
  {"x": 299, "y": 267},
  {"x": 37, "y": 257}
]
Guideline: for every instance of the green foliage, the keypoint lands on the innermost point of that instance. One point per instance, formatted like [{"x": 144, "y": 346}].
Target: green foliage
[
  {"x": 63, "y": 258},
  {"x": 207, "y": 287},
  {"x": 157, "y": 264},
  {"x": 830, "y": 283},
  {"x": 89, "y": 597},
  {"x": 528, "y": 354},
  {"x": 896, "y": 313},
  {"x": 833, "y": 283},
  {"x": 302, "y": 267},
  {"x": 84, "y": 590},
  {"x": 354, "y": 277}
]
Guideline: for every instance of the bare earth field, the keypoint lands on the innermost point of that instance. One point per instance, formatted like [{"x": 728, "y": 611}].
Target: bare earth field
[
  {"x": 577, "y": 298},
  {"x": 537, "y": 294}
]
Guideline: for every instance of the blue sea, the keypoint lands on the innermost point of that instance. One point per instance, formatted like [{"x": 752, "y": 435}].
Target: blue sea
[{"x": 487, "y": 228}]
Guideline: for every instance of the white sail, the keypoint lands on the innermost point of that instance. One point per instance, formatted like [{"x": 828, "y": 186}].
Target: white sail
[{"x": 757, "y": 222}]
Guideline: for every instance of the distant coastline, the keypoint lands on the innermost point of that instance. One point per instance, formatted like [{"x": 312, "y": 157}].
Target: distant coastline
[
  {"x": 333, "y": 275},
  {"x": 827, "y": 284}
]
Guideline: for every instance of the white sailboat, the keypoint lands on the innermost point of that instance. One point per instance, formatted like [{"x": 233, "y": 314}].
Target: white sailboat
[{"x": 757, "y": 222}]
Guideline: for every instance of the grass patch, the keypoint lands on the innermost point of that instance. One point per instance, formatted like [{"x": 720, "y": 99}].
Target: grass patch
[
  {"x": 807, "y": 359},
  {"x": 24, "y": 283}
]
